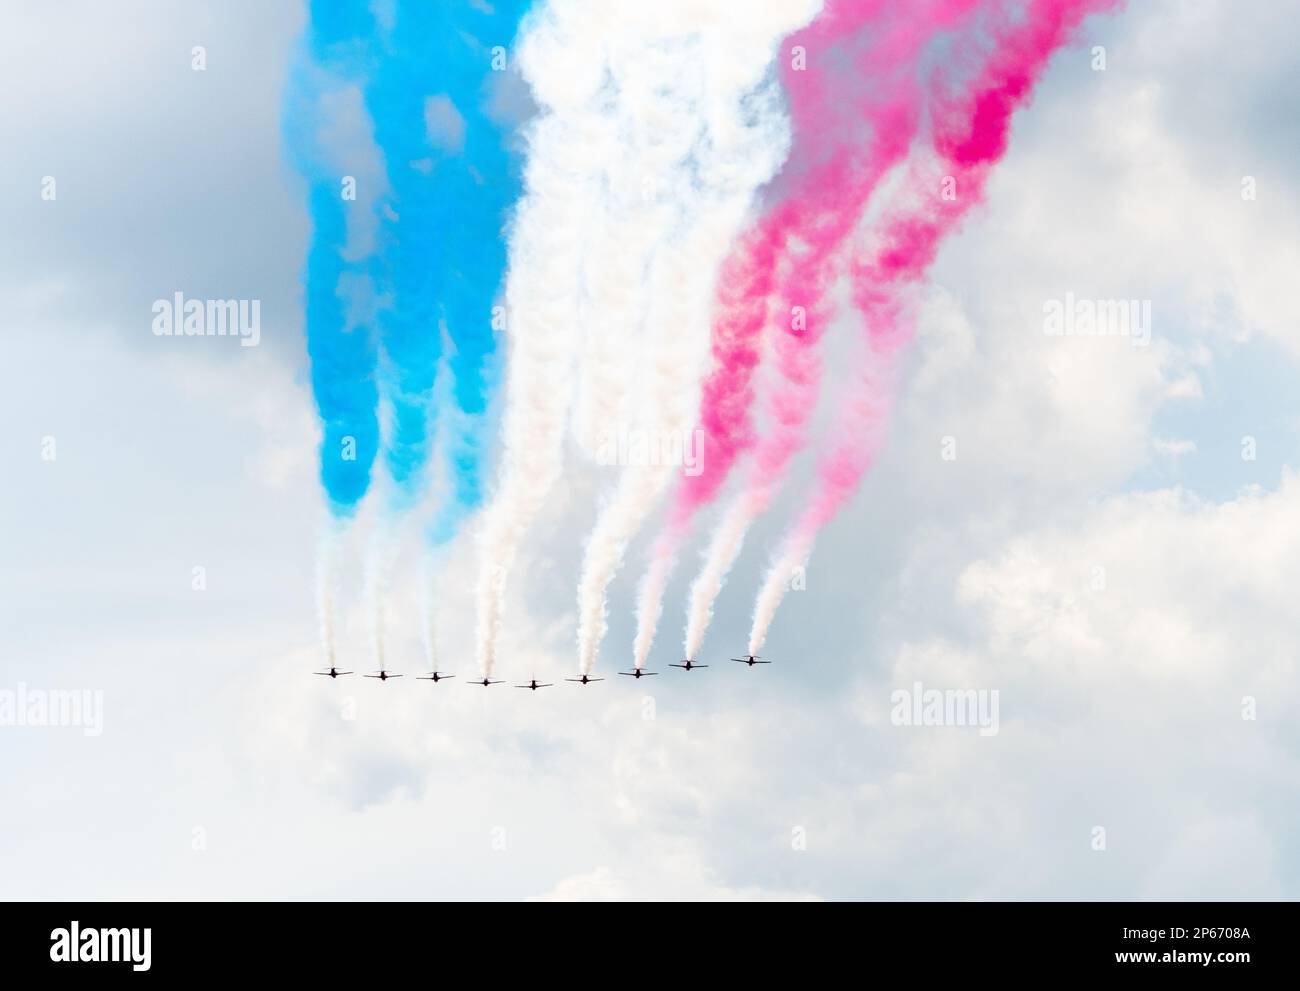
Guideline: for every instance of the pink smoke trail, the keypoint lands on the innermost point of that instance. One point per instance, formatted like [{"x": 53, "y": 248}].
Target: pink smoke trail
[
  {"x": 970, "y": 134},
  {"x": 747, "y": 284},
  {"x": 856, "y": 79},
  {"x": 884, "y": 100}
]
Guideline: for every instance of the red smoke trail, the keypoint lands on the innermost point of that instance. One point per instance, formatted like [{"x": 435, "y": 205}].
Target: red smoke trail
[
  {"x": 746, "y": 287},
  {"x": 891, "y": 111},
  {"x": 859, "y": 77},
  {"x": 970, "y": 134}
]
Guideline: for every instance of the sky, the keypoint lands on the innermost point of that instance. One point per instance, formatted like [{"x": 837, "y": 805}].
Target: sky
[{"x": 1098, "y": 550}]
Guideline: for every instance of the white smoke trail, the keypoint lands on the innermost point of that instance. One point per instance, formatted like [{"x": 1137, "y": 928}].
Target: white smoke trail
[
  {"x": 612, "y": 331},
  {"x": 723, "y": 549},
  {"x": 380, "y": 564},
  {"x": 654, "y": 121},
  {"x": 792, "y": 556},
  {"x": 561, "y": 56},
  {"x": 636, "y": 177},
  {"x": 650, "y": 593},
  {"x": 429, "y": 580},
  {"x": 665, "y": 410},
  {"x": 327, "y": 587},
  {"x": 722, "y": 50}
]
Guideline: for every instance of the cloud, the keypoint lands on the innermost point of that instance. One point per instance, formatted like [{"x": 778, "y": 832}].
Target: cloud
[
  {"x": 1121, "y": 706},
  {"x": 1143, "y": 656}
]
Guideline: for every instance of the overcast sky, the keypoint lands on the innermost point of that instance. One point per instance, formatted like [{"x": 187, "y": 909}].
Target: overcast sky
[{"x": 1099, "y": 552}]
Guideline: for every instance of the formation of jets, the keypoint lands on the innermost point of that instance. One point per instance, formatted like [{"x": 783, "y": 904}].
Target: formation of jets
[{"x": 533, "y": 684}]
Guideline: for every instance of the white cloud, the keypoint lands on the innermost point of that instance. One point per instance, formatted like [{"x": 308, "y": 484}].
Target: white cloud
[
  {"x": 1120, "y": 706},
  {"x": 1126, "y": 644}
]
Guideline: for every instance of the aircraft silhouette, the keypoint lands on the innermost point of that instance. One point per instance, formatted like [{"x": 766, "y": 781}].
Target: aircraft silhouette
[
  {"x": 382, "y": 675},
  {"x": 586, "y": 679},
  {"x": 435, "y": 677},
  {"x": 485, "y": 682},
  {"x": 332, "y": 673},
  {"x": 639, "y": 673},
  {"x": 688, "y": 665},
  {"x": 535, "y": 684},
  {"x": 751, "y": 660}
]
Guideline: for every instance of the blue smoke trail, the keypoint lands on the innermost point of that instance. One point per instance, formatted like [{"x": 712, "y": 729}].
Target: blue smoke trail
[
  {"x": 342, "y": 355},
  {"x": 413, "y": 225},
  {"x": 436, "y": 101},
  {"x": 475, "y": 118}
]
